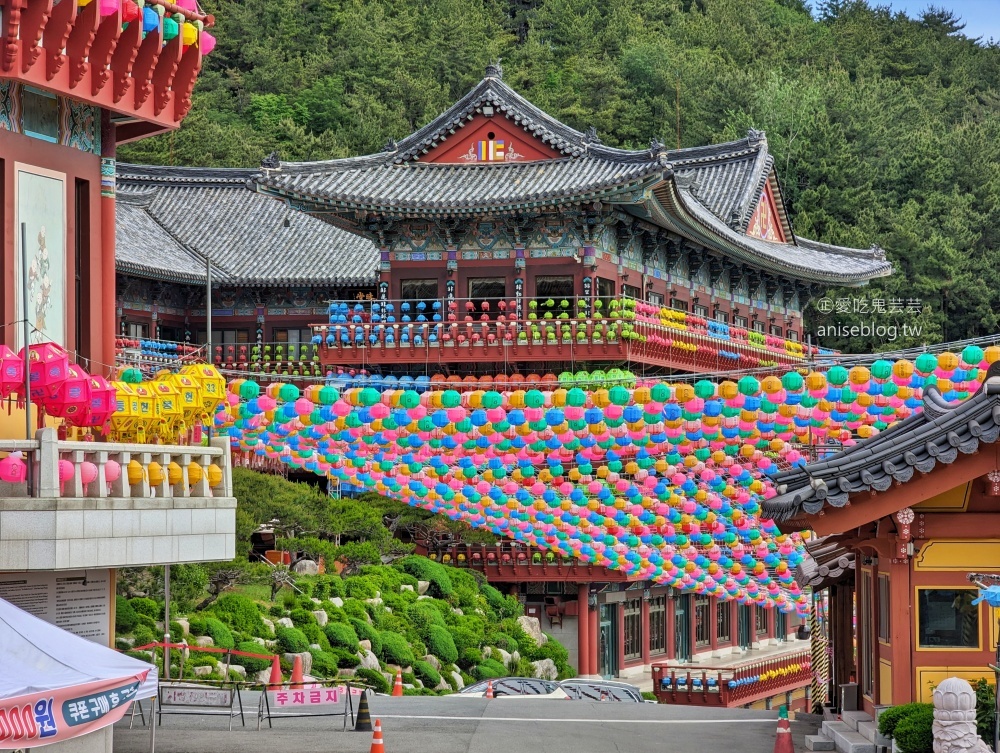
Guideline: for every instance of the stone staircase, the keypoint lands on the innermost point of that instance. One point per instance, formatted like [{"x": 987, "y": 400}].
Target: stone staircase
[{"x": 853, "y": 732}]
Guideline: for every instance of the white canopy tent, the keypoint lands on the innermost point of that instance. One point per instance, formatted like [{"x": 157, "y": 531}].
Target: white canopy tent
[{"x": 56, "y": 685}]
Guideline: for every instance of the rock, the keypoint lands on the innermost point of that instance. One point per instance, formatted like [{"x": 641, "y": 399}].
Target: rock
[
  {"x": 307, "y": 661},
  {"x": 346, "y": 672},
  {"x": 406, "y": 587},
  {"x": 185, "y": 625},
  {"x": 501, "y": 656},
  {"x": 423, "y": 596},
  {"x": 532, "y": 627},
  {"x": 321, "y": 617},
  {"x": 241, "y": 671},
  {"x": 337, "y": 602},
  {"x": 204, "y": 641},
  {"x": 185, "y": 652},
  {"x": 270, "y": 644},
  {"x": 391, "y": 679},
  {"x": 264, "y": 676},
  {"x": 366, "y": 645},
  {"x": 487, "y": 652},
  {"x": 260, "y": 641},
  {"x": 457, "y": 677},
  {"x": 374, "y": 602},
  {"x": 422, "y": 586},
  {"x": 268, "y": 624},
  {"x": 433, "y": 661},
  {"x": 285, "y": 622},
  {"x": 442, "y": 685},
  {"x": 388, "y": 609},
  {"x": 316, "y": 601},
  {"x": 306, "y": 567},
  {"x": 368, "y": 660},
  {"x": 420, "y": 683},
  {"x": 315, "y": 647},
  {"x": 515, "y": 657},
  {"x": 545, "y": 669},
  {"x": 456, "y": 610},
  {"x": 204, "y": 670},
  {"x": 125, "y": 641}
]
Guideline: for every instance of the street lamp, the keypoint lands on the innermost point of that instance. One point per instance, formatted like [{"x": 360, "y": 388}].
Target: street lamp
[{"x": 989, "y": 591}]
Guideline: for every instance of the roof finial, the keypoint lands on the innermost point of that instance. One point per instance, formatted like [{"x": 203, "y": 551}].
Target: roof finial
[
  {"x": 494, "y": 69},
  {"x": 590, "y": 137},
  {"x": 755, "y": 137},
  {"x": 390, "y": 146},
  {"x": 878, "y": 252},
  {"x": 271, "y": 161}
]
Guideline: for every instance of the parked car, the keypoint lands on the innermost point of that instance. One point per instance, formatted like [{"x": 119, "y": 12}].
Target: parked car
[
  {"x": 515, "y": 687},
  {"x": 597, "y": 690}
]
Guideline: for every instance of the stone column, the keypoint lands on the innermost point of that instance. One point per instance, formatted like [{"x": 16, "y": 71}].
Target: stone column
[
  {"x": 103, "y": 341},
  {"x": 583, "y": 630}
]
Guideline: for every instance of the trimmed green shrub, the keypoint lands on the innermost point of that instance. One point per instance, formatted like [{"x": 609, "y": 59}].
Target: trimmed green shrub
[
  {"x": 220, "y": 634},
  {"x": 426, "y": 673},
  {"x": 276, "y": 610},
  {"x": 986, "y": 708},
  {"x": 374, "y": 679},
  {"x": 648, "y": 695},
  {"x": 324, "y": 664},
  {"x": 469, "y": 658},
  {"x": 913, "y": 733},
  {"x": 441, "y": 644},
  {"x": 242, "y": 614},
  {"x": 196, "y": 623},
  {"x": 360, "y": 587},
  {"x": 341, "y": 635},
  {"x": 301, "y": 617},
  {"x": 489, "y": 668},
  {"x": 422, "y": 568},
  {"x": 366, "y": 632},
  {"x": 423, "y": 614},
  {"x": 176, "y": 631},
  {"x": 291, "y": 640},
  {"x": 505, "y": 642},
  {"x": 126, "y": 617},
  {"x": 143, "y": 636},
  {"x": 250, "y": 663},
  {"x": 345, "y": 658},
  {"x": 148, "y": 607},
  {"x": 891, "y": 717},
  {"x": 395, "y": 650},
  {"x": 465, "y": 638}
]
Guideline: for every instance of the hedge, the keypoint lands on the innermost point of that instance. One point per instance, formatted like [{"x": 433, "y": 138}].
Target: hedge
[
  {"x": 422, "y": 568},
  {"x": 221, "y": 635},
  {"x": 441, "y": 644},
  {"x": 145, "y": 606},
  {"x": 242, "y": 614},
  {"x": 891, "y": 717},
  {"x": 125, "y": 616},
  {"x": 395, "y": 650},
  {"x": 913, "y": 734},
  {"x": 248, "y": 662},
  {"x": 324, "y": 664},
  {"x": 366, "y": 632},
  {"x": 345, "y": 658},
  {"x": 375, "y": 679},
  {"x": 291, "y": 640},
  {"x": 342, "y": 635},
  {"x": 426, "y": 673},
  {"x": 489, "y": 668}
]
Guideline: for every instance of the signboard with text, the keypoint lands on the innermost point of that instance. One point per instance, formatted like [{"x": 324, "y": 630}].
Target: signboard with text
[{"x": 78, "y": 601}]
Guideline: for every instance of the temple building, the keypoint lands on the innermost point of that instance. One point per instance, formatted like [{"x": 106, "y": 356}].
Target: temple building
[
  {"x": 76, "y": 80},
  {"x": 907, "y": 515}
]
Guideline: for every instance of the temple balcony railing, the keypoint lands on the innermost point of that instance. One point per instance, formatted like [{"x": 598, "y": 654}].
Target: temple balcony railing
[
  {"x": 103, "y": 505},
  {"x": 505, "y": 562},
  {"x": 99, "y": 53},
  {"x": 736, "y": 684}
]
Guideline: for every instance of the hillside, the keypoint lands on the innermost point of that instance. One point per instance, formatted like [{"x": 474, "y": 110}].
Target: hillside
[
  {"x": 444, "y": 626},
  {"x": 883, "y": 128}
]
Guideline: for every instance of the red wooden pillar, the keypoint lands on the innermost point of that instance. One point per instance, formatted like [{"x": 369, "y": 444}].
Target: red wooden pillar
[
  {"x": 583, "y": 630},
  {"x": 103, "y": 341},
  {"x": 595, "y": 638},
  {"x": 644, "y": 625},
  {"x": 620, "y": 619}
]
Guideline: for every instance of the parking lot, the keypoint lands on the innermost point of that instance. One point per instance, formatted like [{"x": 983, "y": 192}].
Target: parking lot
[{"x": 477, "y": 725}]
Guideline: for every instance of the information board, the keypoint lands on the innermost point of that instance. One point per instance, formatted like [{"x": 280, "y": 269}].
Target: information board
[{"x": 78, "y": 601}]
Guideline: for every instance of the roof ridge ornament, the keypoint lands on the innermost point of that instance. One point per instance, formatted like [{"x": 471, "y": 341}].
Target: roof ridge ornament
[
  {"x": 271, "y": 161},
  {"x": 590, "y": 137},
  {"x": 494, "y": 69},
  {"x": 755, "y": 136},
  {"x": 878, "y": 252},
  {"x": 390, "y": 146}
]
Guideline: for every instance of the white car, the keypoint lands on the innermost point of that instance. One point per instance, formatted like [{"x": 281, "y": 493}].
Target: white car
[
  {"x": 515, "y": 687},
  {"x": 602, "y": 690}
]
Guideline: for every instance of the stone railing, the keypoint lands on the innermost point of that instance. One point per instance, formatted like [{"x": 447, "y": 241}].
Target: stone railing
[{"x": 94, "y": 504}]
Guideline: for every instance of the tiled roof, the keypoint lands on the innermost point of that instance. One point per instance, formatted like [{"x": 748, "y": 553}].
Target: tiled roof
[
  {"x": 169, "y": 216},
  {"x": 828, "y": 562},
  {"x": 719, "y": 185},
  {"x": 938, "y": 434}
]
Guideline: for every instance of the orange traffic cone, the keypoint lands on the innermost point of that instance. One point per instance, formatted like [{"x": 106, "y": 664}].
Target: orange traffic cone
[
  {"x": 297, "y": 672},
  {"x": 377, "y": 746},
  {"x": 783, "y": 739},
  {"x": 274, "y": 683},
  {"x": 489, "y": 688},
  {"x": 397, "y": 688}
]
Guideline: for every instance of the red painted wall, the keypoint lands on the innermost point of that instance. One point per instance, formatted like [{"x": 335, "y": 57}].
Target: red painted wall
[
  {"x": 478, "y": 129},
  {"x": 98, "y": 336}
]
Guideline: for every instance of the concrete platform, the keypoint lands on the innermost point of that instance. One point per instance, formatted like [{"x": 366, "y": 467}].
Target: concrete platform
[
  {"x": 819, "y": 742},
  {"x": 847, "y": 740}
]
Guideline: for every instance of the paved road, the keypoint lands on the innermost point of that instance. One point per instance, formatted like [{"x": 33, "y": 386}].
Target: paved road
[{"x": 474, "y": 725}]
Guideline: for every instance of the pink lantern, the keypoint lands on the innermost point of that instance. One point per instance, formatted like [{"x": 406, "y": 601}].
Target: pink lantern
[
  {"x": 71, "y": 397},
  {"x": 12, "y": 469},
  {"x": 65, "y": 473},
  {"x": 103, "y": 401},
  {"x": 11, "y": 372},
  {"x": 49, "y": 367},
  {"x": 109, "y": 7}
]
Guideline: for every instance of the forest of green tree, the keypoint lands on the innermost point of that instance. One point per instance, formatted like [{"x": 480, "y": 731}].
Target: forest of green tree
[{"x": 885, "y": 129}]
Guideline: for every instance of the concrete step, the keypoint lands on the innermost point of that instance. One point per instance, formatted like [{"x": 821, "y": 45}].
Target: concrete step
[
  {"x": 869, "y": 731},
  {"x": 847, "y": 740},
  {"x": 852, "y": 718},
  {"x": 819, "y": 742}
]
